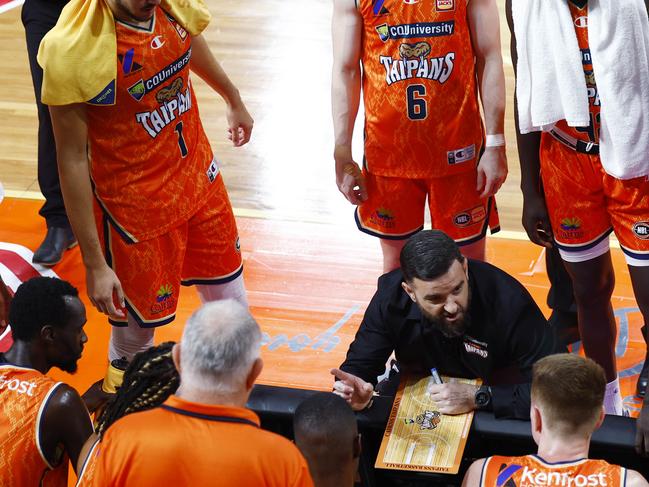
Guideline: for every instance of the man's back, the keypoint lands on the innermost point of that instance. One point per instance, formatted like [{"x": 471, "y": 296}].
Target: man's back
[
  {"x": 185, "y": 443},
  {"x": 23, "y": 397},
  {"x": 533, "y": 470}
]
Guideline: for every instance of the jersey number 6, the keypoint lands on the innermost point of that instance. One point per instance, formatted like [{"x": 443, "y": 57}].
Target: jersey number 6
[{"x": 417, "y": 109}]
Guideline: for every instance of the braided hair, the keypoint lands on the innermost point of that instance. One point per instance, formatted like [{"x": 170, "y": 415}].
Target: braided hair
[{"x": 149, "y": 380}]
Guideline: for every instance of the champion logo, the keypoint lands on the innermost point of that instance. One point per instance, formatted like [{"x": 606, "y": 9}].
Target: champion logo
[
  {"x": 581, "y": 22},
  {"x": 410, "y": 2},
  {"x": 157, "y": 42}
]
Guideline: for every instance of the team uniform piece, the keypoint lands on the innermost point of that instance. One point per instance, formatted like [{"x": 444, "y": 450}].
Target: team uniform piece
[
  {"x": 586, "y": 204},
  {"x": 24, "y": 396},
  {"x": 162, "y": 212},
  {"x": 423, "y": 130}
]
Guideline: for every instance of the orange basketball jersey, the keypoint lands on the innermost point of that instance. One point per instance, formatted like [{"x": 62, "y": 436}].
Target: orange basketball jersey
[
  {"x": 590, "y": 133},
  {"x": 24, "y": 394},
  {"x": 419, "y": 88},
  {"x": 531, "y": 470},
  {"x": 151, "y": 162}
]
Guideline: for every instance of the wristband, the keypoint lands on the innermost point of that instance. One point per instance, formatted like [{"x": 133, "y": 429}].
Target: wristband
[{"x": 497, "y": 140}]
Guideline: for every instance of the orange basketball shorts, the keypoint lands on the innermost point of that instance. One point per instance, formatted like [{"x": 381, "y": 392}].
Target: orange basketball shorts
[
  {"x": 585, "y": 204},
  {"x": 395, "y": 207},
  {"x": 201, "y": 250}
]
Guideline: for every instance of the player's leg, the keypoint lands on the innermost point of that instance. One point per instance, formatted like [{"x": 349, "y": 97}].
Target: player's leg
[
  {"x": 457, "y": 209},
  {"x": 640, "y": 281},
  {"x": 393, "y": 212},
  {"x": 213, "y": 260}
]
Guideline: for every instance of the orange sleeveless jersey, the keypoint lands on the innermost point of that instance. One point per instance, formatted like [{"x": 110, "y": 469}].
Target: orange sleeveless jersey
[
  {"x": 590, "y": 133},
  {"x": 419, "y": 88},
  {"x": 151, "y": 162},
  {"x": 531, "y": 470},
  {"x": 185, "y": 443},
  {"x": 24, "y": 394}
]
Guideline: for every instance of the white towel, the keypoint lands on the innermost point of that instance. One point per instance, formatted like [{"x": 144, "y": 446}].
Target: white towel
[
  {"x": 618, "y": 35},
  {"x": 551, "y": 85},
  {"x": 550, "y": 82}
]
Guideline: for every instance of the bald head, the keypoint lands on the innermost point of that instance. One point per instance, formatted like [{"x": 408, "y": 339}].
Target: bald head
[{"x": 219, "y": 346}]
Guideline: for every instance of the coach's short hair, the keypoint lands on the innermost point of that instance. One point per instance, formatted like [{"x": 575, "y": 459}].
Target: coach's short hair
[
  {"x": 569, "y": 389},
  {"x": 428, "y": 255},
  {"x": 38, "y": 302},
  {"x": 219, "y": 345}
]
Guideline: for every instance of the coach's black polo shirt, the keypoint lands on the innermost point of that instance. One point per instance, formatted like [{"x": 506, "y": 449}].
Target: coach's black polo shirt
[{"x": 507, "y": 329}]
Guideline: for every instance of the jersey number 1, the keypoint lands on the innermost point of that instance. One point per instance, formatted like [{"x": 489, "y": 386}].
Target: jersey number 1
[
  {"x": 417, "y": 109},
  {"x": 181, "y": 139}
]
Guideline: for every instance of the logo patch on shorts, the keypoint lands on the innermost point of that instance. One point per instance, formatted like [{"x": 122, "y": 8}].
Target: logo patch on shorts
[
  {"x": 444, "y": 5},
  {"x": 212, "y": 171},
  {"x": 461, "y": 155},
  {"x": 470, "y": 217},
  {"x": 237, "y": 245},
  {"x": 163, "y": 299},
  {"x": 571, "y": 228},
  {"x": 641, "y": 230},
  {"x": 383, "y": 217}
]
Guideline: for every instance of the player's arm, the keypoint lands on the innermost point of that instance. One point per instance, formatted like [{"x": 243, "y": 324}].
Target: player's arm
[
  {"x": 71, "y": 134},
  {"x": 535, "y": 214},
  {"x": 474, "y": 474},
  {"x": 205, "y": 65},
  {"x": 635, "y": 479},
  {"x": 346, "y": 29},
  {"x": 65, "y": 421},
  {"x": 484, "y": 24}
]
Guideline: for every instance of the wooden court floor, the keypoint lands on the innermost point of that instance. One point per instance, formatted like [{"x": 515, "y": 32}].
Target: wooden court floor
[{"x": 308, "y": 271}]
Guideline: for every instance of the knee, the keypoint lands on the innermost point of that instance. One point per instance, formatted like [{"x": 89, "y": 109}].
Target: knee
[{"x": 597, "y": 291}]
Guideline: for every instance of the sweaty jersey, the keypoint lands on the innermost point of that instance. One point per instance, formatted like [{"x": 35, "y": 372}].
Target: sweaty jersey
[
  {"x": 590, "y": 133},
  {"x": 24, "y": 395},
  {"x": 533, "y": 471},
  {"x": 422, "y": 118},
  {"x": 151, "y": 162}
]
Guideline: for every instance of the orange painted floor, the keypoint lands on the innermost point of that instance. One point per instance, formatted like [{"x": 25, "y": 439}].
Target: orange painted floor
[{"x": 308, "y": 286}]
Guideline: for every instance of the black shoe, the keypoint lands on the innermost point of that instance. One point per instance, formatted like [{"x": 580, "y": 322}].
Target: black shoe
[
  {"x": 643, "y": 378},
  {"x": 566, "y": 325},
  {"x": 57, "y": 241}
]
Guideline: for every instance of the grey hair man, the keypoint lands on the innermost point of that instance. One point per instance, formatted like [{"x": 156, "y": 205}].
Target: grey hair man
[{"x": 207, "y": 428}]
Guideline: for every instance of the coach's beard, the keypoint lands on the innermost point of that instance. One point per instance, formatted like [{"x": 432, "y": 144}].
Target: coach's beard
[{"x": 450, "y": 329}]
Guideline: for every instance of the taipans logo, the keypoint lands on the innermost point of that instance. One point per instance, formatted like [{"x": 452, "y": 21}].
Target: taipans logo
[
  {"x": 428, "y": 420},
  {"x": 470, "y": 217},
  {"x": 378, "y": 8},
  {"x": 157, "y": 42},
  {"x": 582, "y": 22},
  {"x": 471, "y": 347},
  {"x": 641, "y": 230},
  {"x": 128, "y": 65},
  {"x": 571, "y": 224},
  {"x": 169, "y": 92},
  {"x": 444, "y": 5}
]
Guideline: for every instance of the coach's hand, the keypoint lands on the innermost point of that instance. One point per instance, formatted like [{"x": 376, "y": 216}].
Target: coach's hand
[
  {"x": 239, "y": 124},
  {"x": 352, "y": 389},
  {"x": 492, "y": 171},
  {"x": 5, "y": 299},
  {"x": 453, "y": 397},
  {"x": 642, "y": 431},
  {"x": 536, "y": 220},
  {"x": 349, "y": 177},
  {"x": 103, "y": 287}
]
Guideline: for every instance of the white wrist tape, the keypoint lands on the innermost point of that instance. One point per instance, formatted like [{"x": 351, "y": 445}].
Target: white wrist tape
[{"x": 497, "y": 140}]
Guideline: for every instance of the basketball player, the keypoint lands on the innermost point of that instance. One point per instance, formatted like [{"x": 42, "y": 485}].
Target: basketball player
[
  {"x": 424, "y": 63},
  {"x": 162, "y": 216},
  {"x": 570, "y": 201},
  {"x": 42, "y": 422},
  {"x": 567, "y": 407}
]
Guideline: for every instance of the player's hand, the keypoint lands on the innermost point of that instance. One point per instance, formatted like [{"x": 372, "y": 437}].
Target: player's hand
[
  {"x": 239, "y": 124},
  {"x": 453, "y": 397},
  {"x": 642, "y": 431},
  {"x": 492, "y": 171},
  {"x": 349, "y": 177},
  {"x": 352, "y": 389},
  {"x": 103, "y": 287},
  {"x": 536, "y": 220},
  {"x": 95, "y": 397},
  {"x": 5, "y": 299}
]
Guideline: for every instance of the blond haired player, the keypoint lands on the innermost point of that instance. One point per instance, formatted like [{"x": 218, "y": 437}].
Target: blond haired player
[
  {"x": 423, "y": 64},
  {"x": 567, "y": 407}
]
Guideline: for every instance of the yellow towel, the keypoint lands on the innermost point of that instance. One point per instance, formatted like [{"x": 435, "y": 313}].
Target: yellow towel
[{"x": 79, "y": 55}]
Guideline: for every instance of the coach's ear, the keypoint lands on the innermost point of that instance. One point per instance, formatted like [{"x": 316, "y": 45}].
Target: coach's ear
[
  {"x": 175, "y": 356},
  {"x": 255, "y": 370}
]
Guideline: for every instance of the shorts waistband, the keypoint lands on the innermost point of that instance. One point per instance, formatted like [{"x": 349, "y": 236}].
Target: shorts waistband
[{"x": 578, "y": 145}]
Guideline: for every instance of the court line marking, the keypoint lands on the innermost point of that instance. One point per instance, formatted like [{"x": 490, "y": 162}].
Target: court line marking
[{"x": 278, "y": 216}]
